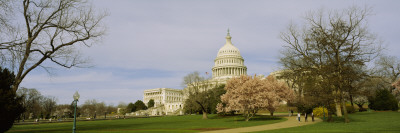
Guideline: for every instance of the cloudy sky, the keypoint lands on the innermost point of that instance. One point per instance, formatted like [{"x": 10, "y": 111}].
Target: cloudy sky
[{"x": 154, "y": 44}]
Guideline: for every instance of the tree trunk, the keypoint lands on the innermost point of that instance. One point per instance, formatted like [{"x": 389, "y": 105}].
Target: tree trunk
[
  {"x": 360, "y": 107},
  {"x": 330, "y": 117},
  {"x": 346, "y": 117},
  {"x": 203, "y": 109},
  {"x": 247, "y": 115},
  {"x": 271, "y": 113},
  {"x": 351, "y": 100},
  {"x": 338, "y": 110},
  {"x": 205, "y": 115}
]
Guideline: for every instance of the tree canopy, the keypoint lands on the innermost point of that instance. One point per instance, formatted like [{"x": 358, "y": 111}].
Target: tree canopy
[{"x": 150, "y": 103}]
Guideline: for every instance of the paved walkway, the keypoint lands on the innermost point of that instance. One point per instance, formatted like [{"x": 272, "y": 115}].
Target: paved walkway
[{"x": 291, "y": 122}]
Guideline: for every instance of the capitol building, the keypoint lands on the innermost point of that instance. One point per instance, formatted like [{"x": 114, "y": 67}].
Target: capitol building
[{"x": 228, "y": 64}]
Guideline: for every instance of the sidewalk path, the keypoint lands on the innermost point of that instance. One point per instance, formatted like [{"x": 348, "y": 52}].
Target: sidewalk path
[{"x": 291, "y": 122}]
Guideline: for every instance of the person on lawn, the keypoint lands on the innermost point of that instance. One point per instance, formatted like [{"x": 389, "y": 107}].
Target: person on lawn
[
  {"x": 312, "y": 116},
  {"x": 298, "y": 116}
]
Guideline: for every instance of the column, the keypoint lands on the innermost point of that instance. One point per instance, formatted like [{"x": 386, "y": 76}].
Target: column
[
  {"x": 236, "y": 71},
  {"x": 225, "y": 71}
]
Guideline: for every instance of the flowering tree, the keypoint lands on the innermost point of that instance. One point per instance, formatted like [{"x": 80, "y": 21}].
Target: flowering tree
[
  {"x": 249, "y": 94},
  {"x": 396, "y": 91},
  {"x": 360, "y": 101}
]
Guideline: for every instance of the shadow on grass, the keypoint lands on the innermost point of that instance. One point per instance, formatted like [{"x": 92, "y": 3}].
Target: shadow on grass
[{"x": 336, "y": 119}]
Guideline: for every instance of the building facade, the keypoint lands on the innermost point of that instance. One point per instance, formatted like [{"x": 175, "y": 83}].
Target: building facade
[{"x": 171, "y": 99}]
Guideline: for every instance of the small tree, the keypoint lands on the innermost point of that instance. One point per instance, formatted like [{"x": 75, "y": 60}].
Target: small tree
[
  {"x": 150, "y": 103},
  {"x": 197, "y": 94},
  {"x": 215, "y": 97},
  {"x": 383, "y": 100},
  {"x": 250, "y": 94},
  {"x": 140, "y": 105},
  {"x": 360, "y": 101},
  {"x": 131, "y": 107},
  {"x": 10, "y": 104}
]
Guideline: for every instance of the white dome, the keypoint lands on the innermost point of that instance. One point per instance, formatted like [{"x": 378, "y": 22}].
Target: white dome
[
  {"x": 228, "y": 48},
  {"x": 228, "y": 63}
]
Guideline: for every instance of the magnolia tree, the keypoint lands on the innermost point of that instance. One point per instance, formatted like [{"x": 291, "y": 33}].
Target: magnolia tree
[
  {"x": 249, "y": 94},
  {"x": 360, "y": 101}
]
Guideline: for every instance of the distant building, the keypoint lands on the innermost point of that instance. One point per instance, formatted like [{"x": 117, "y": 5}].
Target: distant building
[{"x": 171, "y": 99}]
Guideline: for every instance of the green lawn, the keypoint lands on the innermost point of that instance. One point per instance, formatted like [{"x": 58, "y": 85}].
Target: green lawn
[
  {"x": 366, "y": 122},
  {"x": 188, "y": 123}
]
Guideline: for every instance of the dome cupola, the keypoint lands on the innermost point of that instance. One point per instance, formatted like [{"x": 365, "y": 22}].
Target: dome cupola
[{"x": 228, "y": 48}]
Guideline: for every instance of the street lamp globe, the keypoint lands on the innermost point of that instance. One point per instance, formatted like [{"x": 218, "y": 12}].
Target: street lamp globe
[{"x": 76, "y": 96}]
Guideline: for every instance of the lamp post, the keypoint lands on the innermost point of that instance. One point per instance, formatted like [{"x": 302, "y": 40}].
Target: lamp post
[{"x": 76, "y": 98}]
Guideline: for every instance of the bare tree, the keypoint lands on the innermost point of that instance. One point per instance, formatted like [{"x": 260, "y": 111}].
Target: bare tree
[
  {"x": 330, "y": 44},
  {"x": 388, "y": 68},
  {"x": 49, "y": 105},
  {"x": 196, "y": 93},
  {"x": 32, "y": 100},
  {"x": 51, "y": 31},
  {"x": 89, "y": 108}
]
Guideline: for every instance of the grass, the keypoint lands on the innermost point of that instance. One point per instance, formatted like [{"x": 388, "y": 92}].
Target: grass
[
  {"x": 188, "y": 123},
  {"x": 365, "y": 122}
]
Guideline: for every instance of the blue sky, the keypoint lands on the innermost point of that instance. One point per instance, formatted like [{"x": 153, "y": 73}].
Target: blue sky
[{"x": 154, "y": 44}]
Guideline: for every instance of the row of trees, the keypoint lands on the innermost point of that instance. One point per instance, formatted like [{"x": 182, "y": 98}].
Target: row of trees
[
  {"x": 92, "y": 108},
  {"x": 326, "y": 61},
  {"x": 36, "y": 105}
]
